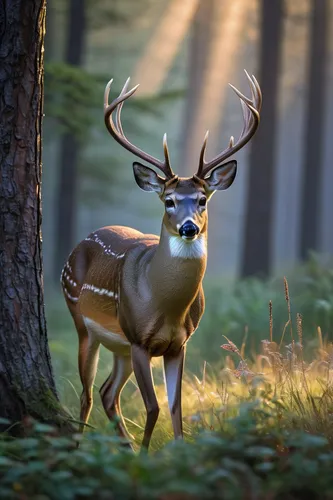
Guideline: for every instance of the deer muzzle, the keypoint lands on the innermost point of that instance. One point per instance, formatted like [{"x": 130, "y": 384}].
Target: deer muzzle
[{"x": 188, "y": 230}]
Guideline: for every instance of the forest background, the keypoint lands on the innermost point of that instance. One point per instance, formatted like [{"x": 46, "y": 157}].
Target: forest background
[
  {"x": 183, "y": 54},
  {"x": 258, "y": 375}
]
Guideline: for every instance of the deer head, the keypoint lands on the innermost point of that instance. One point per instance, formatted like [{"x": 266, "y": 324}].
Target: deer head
[{"x": 185, "y": 199}]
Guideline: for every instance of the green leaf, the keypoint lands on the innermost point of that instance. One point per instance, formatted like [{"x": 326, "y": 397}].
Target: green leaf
[
  {"x": 260, "y": 451},
  {"x": 4, "y": 462}
]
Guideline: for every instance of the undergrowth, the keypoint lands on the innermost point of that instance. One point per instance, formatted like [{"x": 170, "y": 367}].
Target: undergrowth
[
  {"x": 256, "y": 457},
  {"x": 257, "y": 424}
]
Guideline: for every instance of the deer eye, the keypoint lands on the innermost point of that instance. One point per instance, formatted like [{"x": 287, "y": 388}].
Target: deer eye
[
  {"x": 169, "y": 203},
  {"x": 203, "y": 201}
]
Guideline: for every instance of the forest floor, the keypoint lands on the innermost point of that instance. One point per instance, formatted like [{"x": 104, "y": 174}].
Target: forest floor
[
  {"x": 253, "y": 430},
  {"x": 257, "y": 415}
]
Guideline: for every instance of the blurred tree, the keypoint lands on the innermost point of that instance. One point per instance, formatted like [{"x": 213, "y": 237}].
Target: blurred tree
[
  {"x": 214, "y": 52},
  {"x": 259, "y": 204},
  {"x": 200, "y": 43},
  {"x": 314, "y": 129},
  {"x": 50, "y": 36},
  {"x": 158, "y": 56},
  {"x": 216, "y": 38},
  {"x": 66, "y": 197},
  {"x": 26, "y": 380}
]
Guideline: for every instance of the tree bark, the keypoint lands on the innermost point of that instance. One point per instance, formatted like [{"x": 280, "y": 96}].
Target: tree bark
[
  {"x": 314, "y": 129},
  {"x": 27, "y": 385},
  {"x": 66, "y": 198},
  {"x": 256, "y": 257}
]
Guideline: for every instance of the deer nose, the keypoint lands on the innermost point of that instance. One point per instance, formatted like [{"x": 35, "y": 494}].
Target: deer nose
[{"x": 188, "y": 229}]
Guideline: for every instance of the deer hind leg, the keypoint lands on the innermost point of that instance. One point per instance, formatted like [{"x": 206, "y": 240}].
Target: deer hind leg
[
  {"x": 111, "y": 390},
  {"x": 88, "y": 360}
]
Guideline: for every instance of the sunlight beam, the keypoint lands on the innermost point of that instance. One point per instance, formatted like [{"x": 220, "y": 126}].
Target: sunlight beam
[{"x": 163, "y": 45}]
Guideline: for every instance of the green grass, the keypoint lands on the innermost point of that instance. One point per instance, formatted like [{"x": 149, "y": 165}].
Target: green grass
[
  {"x": 300, "y": 390},
  {"x": 257, "y": 408},
  {"x": 286, "y": 356},
  {"x": 261, "y": 449}
]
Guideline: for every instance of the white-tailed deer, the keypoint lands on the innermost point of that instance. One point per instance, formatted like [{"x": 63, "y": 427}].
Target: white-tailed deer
[{"x": 141, "y": 295}]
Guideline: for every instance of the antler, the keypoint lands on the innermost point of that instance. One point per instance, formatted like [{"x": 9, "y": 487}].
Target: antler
[
  {"x": 116, "y": 130},
  {"x": 251, "y": 109}
]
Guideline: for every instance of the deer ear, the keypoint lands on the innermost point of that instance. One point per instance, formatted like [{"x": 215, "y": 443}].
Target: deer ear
[
  {"x": 147, "y": 179},
  {"x": 222, "y": 177}
]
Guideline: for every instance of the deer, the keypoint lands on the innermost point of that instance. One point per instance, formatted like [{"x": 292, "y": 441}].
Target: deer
[{"x": 141, "y": 295}]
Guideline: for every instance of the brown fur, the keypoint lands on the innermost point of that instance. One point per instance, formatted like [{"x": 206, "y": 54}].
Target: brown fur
[
  {"x": 129, "y": 284},
  {"x": 158, "y": 308}
]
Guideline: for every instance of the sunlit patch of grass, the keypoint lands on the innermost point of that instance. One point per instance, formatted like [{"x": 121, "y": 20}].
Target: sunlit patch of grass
[
  {"x": 257, "y": 422},
  {"x": 291, "y": 378},
  {"x": 300, "y": 393}
]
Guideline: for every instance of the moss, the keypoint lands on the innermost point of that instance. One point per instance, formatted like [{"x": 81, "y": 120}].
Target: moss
[{"x": 42, "y": 405}]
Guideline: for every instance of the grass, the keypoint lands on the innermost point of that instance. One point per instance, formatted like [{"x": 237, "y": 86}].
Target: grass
[
  {"x": 257, "y": 413},
  {"x": 260, "y": 431},
  {"x": 246, "y": 462},
  {"x": 284, "y": 356},
  {"x": 301, "y": 390}
]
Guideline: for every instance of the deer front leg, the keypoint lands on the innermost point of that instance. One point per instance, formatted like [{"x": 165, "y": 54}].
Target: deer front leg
[
  {"x": 143, "y": 374},
  {"x": 173, "y": 373}
]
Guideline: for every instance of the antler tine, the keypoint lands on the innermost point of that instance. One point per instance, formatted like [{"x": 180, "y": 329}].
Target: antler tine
[
  {"x": 167, "y": 157},
  {"x": 252, "y": 86},
  {"x": 116, "y": 130},
  {"x": 120, "y": 107},
  {"x": 251, "y": 117},
  {"x": 259, "y": 94},
  {"x": 202, "y": 162},
  {"x": 246, "y": 117},
  {"x": 240, "y": 95}
]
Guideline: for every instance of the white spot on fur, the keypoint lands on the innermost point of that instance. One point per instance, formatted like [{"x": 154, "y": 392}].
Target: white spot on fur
[
  {"x": 65, "y": 275},
  {"x": 69, "y": 296},
  {"x": 106, "y": 248},
  {"x": 188, "y": 249},
  {"x": 99, "y": 291}
]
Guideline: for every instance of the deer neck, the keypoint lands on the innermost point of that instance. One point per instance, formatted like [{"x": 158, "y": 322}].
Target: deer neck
[{"x": 177, "y": 269}]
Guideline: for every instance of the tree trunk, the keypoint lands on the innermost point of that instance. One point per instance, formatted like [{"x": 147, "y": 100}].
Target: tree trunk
[
  {"x": 213, "y": 52},
  {"x": 66, "y": 198},
  {"x": 198, "y": 54},
  {"x": 26, "y": 380},
  {"x": 314, "y": 131},
  {"x": 259, "y": 206}
]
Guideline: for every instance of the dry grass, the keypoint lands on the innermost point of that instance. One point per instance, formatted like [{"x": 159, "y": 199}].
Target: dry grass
[{"x": 292, "y": 377}]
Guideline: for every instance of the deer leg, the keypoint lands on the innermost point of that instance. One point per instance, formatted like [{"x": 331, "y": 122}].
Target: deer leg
[
  {"x": 111, "y": 390},
  {"x": 88, "y": 367},
  {"x": 143, "y": 374},
  {"x": 173, "y": 372},
  {"x": 88, "y": 359}
]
